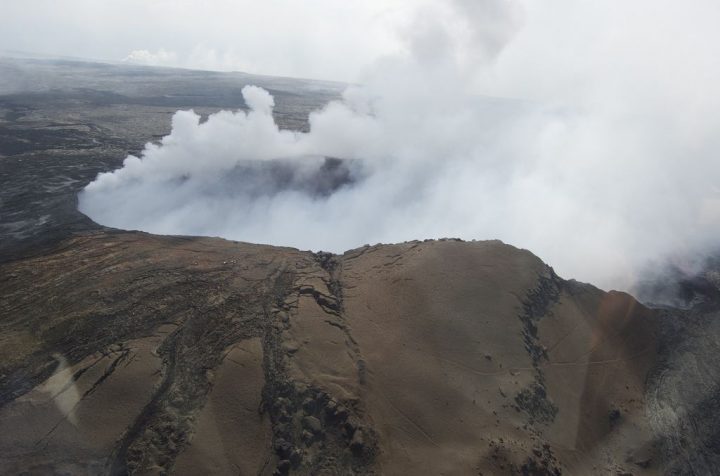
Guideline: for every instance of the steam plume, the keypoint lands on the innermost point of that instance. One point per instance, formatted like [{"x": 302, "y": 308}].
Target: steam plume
[{"x": 605, "y": 161}]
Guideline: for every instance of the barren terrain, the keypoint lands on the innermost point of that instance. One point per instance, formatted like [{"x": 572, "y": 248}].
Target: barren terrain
[{"x": 123, "y": 352}]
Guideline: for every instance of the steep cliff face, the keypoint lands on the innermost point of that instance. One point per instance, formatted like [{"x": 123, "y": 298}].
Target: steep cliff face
[{"x": 131, "y": 353}]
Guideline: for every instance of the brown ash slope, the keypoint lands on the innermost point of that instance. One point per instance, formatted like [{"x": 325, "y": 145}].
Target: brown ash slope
[{"x": 126, "y": 352}]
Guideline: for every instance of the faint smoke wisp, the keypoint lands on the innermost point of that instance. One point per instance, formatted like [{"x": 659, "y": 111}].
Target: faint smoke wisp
[{"x": 604, "y": 162}]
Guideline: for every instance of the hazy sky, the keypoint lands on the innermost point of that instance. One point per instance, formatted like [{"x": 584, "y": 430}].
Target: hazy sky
[{"x": 326, "y": 39}]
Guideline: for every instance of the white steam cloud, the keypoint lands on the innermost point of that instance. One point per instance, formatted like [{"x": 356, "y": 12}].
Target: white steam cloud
[{"x": 605, "y": 162}]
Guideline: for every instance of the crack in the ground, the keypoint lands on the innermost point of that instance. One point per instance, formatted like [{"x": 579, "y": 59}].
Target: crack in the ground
[
  {"x": 306, "y": 418},
  {"x": 533, "y": 399}
]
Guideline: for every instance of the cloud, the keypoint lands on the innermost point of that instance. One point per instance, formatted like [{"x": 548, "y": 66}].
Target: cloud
[
  {"x": 145, "y": 57},
  {"x": 603, "y": 162},
  {"x": 200, "y": 57}
]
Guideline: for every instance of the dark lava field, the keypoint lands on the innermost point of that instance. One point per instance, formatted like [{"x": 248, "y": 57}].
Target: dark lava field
[{"x": 63, "y": 122}]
